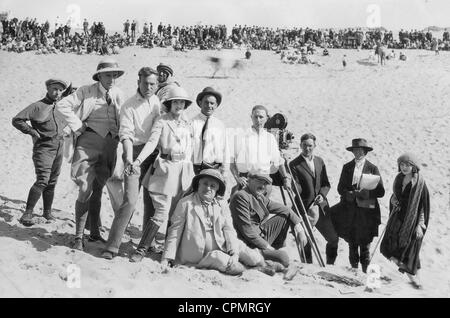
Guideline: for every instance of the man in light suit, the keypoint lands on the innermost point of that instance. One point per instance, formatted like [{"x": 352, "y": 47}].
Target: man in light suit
[
  {"x": 92, "y": 113},
  {"x": 310, "y": 175}
]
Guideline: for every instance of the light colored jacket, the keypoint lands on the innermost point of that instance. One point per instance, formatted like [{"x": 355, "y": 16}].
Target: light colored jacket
[
  {"x": 77, "y": 107},
  {"x": 186, "y": 236},
  {"x": 169, "y": 175}
]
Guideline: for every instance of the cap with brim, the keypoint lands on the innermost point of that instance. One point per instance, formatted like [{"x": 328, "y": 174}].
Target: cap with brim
[
  {"x": 359, "y": 143},
  {"x": 177, "y": 93},
  {"x": 261, "y": 177},
  {"x": 56, "y": 81},
  {"x": 209, "y": 91},
  {"x": 212, "y": 173},
  {"x": 106, "y": 66},
  {"x": 164, "y": 68}
]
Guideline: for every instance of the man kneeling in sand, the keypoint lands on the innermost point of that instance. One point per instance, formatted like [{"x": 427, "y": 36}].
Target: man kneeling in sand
[
  {"x": 202, "y": 233},
  {"x": 250, "y": 210}
]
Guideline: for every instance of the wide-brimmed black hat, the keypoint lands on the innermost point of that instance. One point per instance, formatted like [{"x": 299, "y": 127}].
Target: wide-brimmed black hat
[
  {"x": 359, "y": 143},
  {"x": 209, "y": 91},
  {"x": 212, "y": 173}
]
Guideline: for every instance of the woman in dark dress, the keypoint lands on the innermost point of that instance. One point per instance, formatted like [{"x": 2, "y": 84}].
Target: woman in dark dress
[{"x": 408, "y": 219}]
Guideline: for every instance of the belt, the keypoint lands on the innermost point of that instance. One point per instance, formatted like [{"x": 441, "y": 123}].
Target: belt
[{"x": 174, "y": 157}]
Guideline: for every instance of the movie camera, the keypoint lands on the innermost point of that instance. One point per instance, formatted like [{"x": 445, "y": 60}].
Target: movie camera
[{"x": 276, "y": 125}]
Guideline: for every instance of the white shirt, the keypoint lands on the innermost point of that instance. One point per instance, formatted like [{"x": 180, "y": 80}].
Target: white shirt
[
  {"x": 310, "y": 163},
  {"x": 215, "y": 140},
  {"x": 357, "y": 173},
  {"x": 137, "y": 116},
  {"x": 256, "y": 153}
]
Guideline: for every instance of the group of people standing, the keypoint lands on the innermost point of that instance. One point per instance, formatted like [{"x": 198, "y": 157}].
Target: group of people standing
[{"x": 181, "y": 165}]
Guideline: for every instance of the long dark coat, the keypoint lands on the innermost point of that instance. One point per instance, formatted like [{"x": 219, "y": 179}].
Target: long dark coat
[
  {"x": 357, "y": 221},
  {"x": 390, "y": 247}
]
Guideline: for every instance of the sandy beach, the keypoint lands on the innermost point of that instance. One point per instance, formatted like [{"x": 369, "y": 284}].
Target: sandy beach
[{"x": 402, "y": 106}]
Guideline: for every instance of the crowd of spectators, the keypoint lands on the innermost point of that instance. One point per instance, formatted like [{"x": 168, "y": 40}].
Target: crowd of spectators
[{"x": 29, "y": 35}]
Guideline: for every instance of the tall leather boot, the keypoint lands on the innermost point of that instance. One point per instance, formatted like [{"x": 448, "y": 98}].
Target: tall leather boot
[
  {"x": 81, "y": 209},
  {"x": 147, "y": 237}
]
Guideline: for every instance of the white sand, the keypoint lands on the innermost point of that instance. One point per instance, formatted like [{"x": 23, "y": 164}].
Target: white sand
[{"x": 402, "y": 106}]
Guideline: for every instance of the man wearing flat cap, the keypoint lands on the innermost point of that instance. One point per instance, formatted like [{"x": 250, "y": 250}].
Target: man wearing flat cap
[
  {"x": 209, "y": 133},
  {"x": 165, "y": 82},
  {"x": 47, "y": 132},
  {"x": 251, "y": 209},
  {"x": 92, "y": 113},
  {"x": 137, "y": 116}
]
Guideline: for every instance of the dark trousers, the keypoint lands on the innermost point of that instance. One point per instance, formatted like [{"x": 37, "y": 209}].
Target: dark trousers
[
  {"x": 123, "y": 216},
  {"x": 274, "y": 231},
  {"x": 325, "y": 226},
  {"x": 47, "y": 160},
  {"x": 362, "y": 256}
]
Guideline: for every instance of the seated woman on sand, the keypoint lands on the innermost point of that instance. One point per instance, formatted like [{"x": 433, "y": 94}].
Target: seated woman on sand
[
  {"x": 408, "y": 220},
  {"x": 202, "y": 233}
]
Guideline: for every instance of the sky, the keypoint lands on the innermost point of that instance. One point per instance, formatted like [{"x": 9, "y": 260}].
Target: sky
[{"x": 392, "y": 14}]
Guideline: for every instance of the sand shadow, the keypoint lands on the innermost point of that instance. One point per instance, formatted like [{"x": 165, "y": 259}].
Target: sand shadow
[{"x": 366, "y": 62}]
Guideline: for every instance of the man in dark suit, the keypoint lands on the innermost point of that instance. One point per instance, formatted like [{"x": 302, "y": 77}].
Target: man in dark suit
[
  {"x": 357, "y": 217},
  {"x": 310, "y": 174},
  {"x": 251, "y": 209}
]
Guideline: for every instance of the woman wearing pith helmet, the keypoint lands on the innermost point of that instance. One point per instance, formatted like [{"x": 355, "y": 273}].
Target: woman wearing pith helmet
[{"x": 173, "y": 170}]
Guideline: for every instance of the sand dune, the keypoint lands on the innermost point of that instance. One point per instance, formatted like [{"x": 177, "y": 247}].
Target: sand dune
[{"x": 398, "y": 107}]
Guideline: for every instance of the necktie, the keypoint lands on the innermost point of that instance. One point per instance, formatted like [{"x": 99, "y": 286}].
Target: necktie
[
  {"x": 108, "y": 98},
  {"x": 203, "y": 135}
]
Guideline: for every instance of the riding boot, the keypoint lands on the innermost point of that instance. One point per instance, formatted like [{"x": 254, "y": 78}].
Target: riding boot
[{"x": 147, "y": 237}]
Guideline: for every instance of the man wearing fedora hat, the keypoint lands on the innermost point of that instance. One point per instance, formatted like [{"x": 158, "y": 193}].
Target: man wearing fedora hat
[
  {"x": 209, "y": 132},
  {"x": 165, "y": 81},
  {"x": 47, "y": 132},
  {"x": 92, "y": 113},
  {"x": 137, "y": 116},
  {"x": 251, "y": 209},
  {"x": 357, "y": 216},
  {"x": 202, "y": 233}
]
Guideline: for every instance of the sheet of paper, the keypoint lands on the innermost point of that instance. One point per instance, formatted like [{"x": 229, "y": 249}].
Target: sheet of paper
[{"x": 369, "y": 181}]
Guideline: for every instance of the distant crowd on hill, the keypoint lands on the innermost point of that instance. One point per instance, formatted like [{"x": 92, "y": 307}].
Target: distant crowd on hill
[{"x": 29, "y": 35}]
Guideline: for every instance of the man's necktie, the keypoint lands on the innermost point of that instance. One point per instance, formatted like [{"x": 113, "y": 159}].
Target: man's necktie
[
  {"x": 108, "y": 98},
  {"x": 203, "y": 135}
]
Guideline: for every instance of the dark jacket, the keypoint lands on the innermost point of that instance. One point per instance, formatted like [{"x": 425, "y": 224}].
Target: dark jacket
[
  {"x": 43, "y": 118},
  {"x": 248, "y": 214},
  {"x": 356, "y": 219},
  {"x": 310, "y": 185}
]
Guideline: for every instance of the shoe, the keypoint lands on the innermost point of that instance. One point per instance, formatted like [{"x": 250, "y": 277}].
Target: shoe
[
  {"x": 267, "y": 269},
  {"x": 235, "y": 269},
  {"x": 78, "y": 244},
  {"x": 364, "y": 268},
  {"x": 277, "y": 267},
  {"x": 27, "y": 218},
  {"x": 156, "y": 249},
  {"x": 354, "y": 265},
  {"x": 49, "y": 216},
  {"x": 96, "y": 238},
  {"x": 108, "y": 255},
  {"x": 137, "y": 256}
]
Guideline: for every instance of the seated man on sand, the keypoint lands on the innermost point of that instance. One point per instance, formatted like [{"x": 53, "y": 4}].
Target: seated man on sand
[
  {"x": 202, "y": 233},
  {"x": 251, "y": 209}
]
